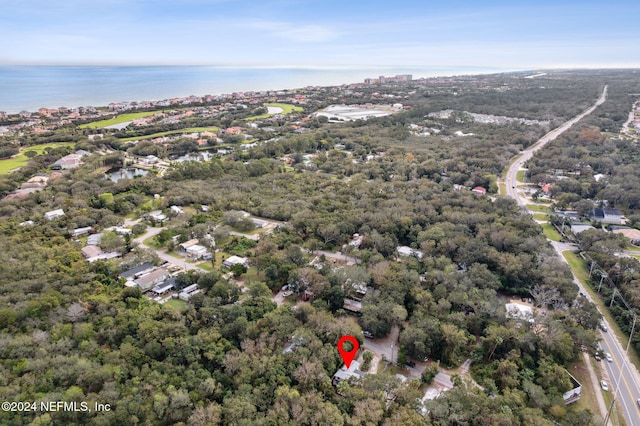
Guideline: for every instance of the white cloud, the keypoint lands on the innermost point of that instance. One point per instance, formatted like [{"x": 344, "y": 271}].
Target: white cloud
[{"x": 297, "y": 32}]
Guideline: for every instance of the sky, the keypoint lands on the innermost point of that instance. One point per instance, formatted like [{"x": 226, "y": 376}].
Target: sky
[{"x": 318, "y": 34}]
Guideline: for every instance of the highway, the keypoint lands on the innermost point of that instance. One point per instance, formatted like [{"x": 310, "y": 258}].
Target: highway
[{"x": 622, "y": 377}]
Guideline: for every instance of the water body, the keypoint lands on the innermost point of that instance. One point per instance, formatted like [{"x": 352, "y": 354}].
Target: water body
[
  {"x": 125, "y": 173},
  {"x": 32, "y": 87},
  {"x": 196, "y": 156}
]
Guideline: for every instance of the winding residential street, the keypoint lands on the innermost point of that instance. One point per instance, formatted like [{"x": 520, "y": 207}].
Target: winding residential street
[
  {"x": 152, "y": 232},
  {"x": 621, "y": 375}
]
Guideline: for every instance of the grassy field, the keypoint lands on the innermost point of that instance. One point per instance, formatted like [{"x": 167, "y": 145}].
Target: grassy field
[
  {"x": 587, "y": 399},
  {"x": 577, "y": 266},
  {"x": 540, "y": 216},
  {"x": 118, "y": 119},
  {"x": 550, "y": 232},
  {"x": 520, "y": 176},
  {"x": 177, "y": 304},
  {"x": 172, "y": 132},
  {"x": 502, "y": 188},
  {"x": 6, "y": 166},
  {"x": 206, "y": 266},
  {"x": 537, "y": 208},
  {"x": 152, "y": 243},
  {"x": 286, "y": 109}
]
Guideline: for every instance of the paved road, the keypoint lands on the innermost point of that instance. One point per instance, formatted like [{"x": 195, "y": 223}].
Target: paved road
[
  {"x": 387, "y": 346},
  {"x": 622, "y": 377},
  {"x": 623, "y": 380},
  {"x": 511, "y": 180},
  {"x": 152, "y": 232}
]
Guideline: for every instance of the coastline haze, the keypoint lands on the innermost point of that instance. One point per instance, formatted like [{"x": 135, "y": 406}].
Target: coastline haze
[{"x": 32, "y": 87}]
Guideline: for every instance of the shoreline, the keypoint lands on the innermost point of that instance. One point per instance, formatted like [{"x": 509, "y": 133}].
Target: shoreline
[{"x": 29, "y": 88}]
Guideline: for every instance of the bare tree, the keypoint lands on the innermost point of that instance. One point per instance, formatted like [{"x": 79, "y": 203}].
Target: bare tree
[
  {"x": 75, "y": 312},
  {"x": 543, "y": 295}
]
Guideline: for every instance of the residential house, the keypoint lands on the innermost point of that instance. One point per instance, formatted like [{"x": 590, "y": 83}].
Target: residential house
[
  {"x": 259, "y": 223},
  {"x": 360, "y": 291},
  {"x": 408, "y": 251},
  {"x": 119, "y": 230},
  {"x": 103, "y": 256},
  {"x": 633, "y": 235},
  {"x": 91, "y": 251},
  {"x": 162, "y": 288},
  {"x": 574, "y": 394},
  {"x": 577, "y": 228},
  {"x": 188, "y": 292},
  {"x": 345, "y": 373},
  {"x": 235, "y": 260},
  {"x": 185, "y": 246},
  {"x": 70, "y": 161},
  {"x": 352, "y": 305},
  {"x": 606, "y": 215},
  {"x": 94, "y": 239},
  {"x": 198, "y": 252},
  {"x": 176, "y": 210},
  {"x": 132, "y": 273},
  {"x": 156, "y": 216},
  {"x": 54, "y": 214},
  {"x": 479, "y": 190},
  {"x": 153, "y": 278},
  {"x": 81, "y": 231}
]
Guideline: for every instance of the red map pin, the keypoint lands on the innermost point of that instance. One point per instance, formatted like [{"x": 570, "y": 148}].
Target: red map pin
[{"x": 348, "y": 356}]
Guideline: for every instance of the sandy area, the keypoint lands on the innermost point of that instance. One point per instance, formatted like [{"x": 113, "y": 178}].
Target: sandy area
[{"x": 274, "y": 110}]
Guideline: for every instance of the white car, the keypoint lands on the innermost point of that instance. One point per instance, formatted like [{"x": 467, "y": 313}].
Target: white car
[
  {"x": 608, "y": 356},
  {"x": 605, "y": 386}
]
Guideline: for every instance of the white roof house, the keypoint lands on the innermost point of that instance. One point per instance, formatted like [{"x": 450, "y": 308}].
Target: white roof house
[
  {"x": 53, "y": 214},
  {"x": 157, "y": 216},
  {"x": 259, "y": 223},
  {"x": 81, "y": 231},
  {"x": 153, "y": 278},
  {"x": 94, "y": 239},
  {"x": 345, "y": 373},
  {"x": 577, "y": 228},
  {"x": 408, "y": 251},
  {"x": 197, "y": 251},
  {"x": 187, "y": 292},
  {"x": 187, "y": 244},
  {"x": 235, "y": 260}
]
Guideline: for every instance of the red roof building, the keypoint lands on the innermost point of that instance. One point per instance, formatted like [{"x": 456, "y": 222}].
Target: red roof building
[{"x": 479, "y": 190}]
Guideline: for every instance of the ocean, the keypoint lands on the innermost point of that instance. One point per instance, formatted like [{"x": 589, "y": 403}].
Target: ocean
[{"x": 32, "y": 87}]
